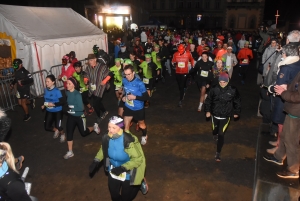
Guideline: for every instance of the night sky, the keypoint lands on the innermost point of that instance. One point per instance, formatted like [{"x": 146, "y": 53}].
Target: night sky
[{"x": 288, "y": 10}]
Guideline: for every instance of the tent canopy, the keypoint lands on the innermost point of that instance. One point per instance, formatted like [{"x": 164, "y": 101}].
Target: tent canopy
[{"x": 45, "y": 26}]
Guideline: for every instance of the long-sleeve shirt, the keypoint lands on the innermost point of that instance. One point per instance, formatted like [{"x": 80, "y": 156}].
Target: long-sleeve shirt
[
  {"x": 75, "y": 103},
  {"x": 24, "y": 77}
]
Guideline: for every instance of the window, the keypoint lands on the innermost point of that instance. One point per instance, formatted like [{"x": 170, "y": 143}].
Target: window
[
  {"x": 180, "y": 4},
  {"x": 207, "y": 4},
  {"x": 233, "y": 0},
  {"x": 252, "y": 23},
  {"x": 217, "y": 5},
  {"x": 197, "y": 5},
  {"x": 171, "y": 4},
  {"x": 189, "y": 4},
  {"x": 154, "y": 4},
  {"x": 162, "y": 4},
  {"x": 231, "y": 23},
  {"x": 243, "y": 0}
]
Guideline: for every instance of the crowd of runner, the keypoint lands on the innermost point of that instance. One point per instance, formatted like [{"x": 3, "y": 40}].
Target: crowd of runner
[{"x": 137, "y": 60}]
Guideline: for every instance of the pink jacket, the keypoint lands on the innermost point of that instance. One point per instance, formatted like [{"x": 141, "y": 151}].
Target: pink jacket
[{"x": 68, "y": 73}]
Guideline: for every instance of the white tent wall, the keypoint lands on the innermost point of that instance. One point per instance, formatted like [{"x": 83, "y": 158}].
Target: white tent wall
[
  {"x": 24, "y": 53},
  {"x": 52, "y": 55}
]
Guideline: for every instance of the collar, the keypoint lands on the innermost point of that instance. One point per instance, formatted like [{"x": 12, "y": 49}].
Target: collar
[{"x": 119, "y": 133}]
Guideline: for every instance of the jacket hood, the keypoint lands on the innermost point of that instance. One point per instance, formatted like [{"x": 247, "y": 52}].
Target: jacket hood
[{"x": 289, "y": 60}]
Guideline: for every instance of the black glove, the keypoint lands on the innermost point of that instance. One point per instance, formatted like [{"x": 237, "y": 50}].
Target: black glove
[
  {"x": 94, "y": 166},
  {"x": 118, "y": 170}
]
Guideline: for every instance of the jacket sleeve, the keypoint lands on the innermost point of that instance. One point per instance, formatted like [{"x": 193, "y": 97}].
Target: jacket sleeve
[
  {"x": 191, "y": 59},
  {"x": 235, "y": 61},
  {"x": 28, "y": 79},
  {"x": 291, "y": 96},
  {"x": 264, "y": 57},
  {"x": 135, "y": 154},
  {"x": 99, "y": 156},
  {"x": 237, "y": 103},
  {"x": 208, "y": 101}
]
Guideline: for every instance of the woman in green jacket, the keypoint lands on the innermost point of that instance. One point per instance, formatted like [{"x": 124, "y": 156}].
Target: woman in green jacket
[{"x": 124, "y": 159}]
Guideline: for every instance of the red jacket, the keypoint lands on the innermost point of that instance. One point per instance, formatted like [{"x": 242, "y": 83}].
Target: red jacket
[
  {"x": 245, "y": 55},
  {"x": 200, "y": 49},
  {"x": 182, "y": 62},
  {"x": 68, "y": 73}
]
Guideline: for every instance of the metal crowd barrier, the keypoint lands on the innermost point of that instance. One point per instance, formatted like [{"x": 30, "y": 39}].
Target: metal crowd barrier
[{"x": 8, "y": 99}]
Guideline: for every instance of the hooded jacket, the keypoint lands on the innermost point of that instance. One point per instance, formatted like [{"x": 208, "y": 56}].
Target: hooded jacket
[
  {"x": 223, "y": 102},
  {"x": 137, "y": 163},
  {"x": 267, "y": 58}
]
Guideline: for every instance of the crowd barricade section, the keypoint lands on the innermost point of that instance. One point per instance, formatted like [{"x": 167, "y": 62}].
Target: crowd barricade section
[{"x": 8, "y": 98}]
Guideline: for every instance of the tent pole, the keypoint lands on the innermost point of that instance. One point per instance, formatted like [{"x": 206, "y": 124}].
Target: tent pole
[{"x": 39, "y": 64}]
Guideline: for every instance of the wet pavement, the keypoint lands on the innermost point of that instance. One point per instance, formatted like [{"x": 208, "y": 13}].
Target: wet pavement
[{"x": 179, "y": 153}]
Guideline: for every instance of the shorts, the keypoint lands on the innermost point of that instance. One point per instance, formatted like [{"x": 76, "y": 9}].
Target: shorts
[
  {"x": 136, "y": 114},
  {"x": 121, "y": 104},
  {"x": 22, "y": 94},
  {"x": 202, "y": 83},
  {"x": 150, "y": 85}
]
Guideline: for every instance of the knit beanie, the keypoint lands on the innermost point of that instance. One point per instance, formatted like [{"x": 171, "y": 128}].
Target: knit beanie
[{"x": 223, "y": 77}]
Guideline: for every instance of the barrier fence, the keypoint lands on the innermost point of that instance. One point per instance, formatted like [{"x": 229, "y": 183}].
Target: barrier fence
[{"x": 8, "y": 99}]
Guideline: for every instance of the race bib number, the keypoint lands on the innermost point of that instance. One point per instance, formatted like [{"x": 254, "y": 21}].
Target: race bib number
[
  {"x": 18, "y": 95},
  {"x": 47, "y": 105},
  {"x": 121, "y": 177},
  {"x": 245, "y": 61},
  {"x": 146, "y": 81},
  {"x": 228, "y": 68},
  {"x": 129, "y": 102},
  {"x": 93, "y": 87},
  {"x": 181, "y": 64},
  {"x": 204, "y": 73}
]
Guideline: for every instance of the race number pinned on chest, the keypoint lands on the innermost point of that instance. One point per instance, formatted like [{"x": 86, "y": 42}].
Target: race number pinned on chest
[
  {"x": 181, "y": 64},
  {"x": 204, "y": 73},
  {"x": 146, "y": 81}
]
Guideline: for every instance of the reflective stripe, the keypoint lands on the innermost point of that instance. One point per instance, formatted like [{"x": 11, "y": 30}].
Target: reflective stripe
[{"x": 226, "y": 125}]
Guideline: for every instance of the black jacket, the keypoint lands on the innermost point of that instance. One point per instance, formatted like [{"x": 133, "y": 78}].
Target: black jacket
[
  {"x": 223, "y": 102},
  {"x": 25, "y": 77}
]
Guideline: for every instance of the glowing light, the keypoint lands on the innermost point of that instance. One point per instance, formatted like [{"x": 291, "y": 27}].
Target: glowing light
[
  {"x": 114, "y": 21},
  {"x": 126, "y": 19},
  {"x": 116, "y": 9},
  {"x": 100, "y": 21}
]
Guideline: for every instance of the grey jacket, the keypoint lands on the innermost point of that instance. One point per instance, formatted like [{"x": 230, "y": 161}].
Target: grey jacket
[{"x": 268, "y": 52}]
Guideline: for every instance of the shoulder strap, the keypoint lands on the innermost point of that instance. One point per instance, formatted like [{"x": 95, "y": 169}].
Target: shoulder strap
[{"x": 269, "y": 57}]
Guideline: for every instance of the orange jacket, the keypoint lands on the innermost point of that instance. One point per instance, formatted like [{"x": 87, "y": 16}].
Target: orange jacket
[
  {"x": 245, "y": 55},
  {"x": 182, "y": 62}
]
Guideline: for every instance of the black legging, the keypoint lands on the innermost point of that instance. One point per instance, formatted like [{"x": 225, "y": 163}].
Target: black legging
[
  {"x": 78, "y": 121},
  {"x": 219, "y": 128},
  {"x": 53, "y": 117},
  {"x": 243, "y": 71},
  {"x": 98, "y": 105},
  {"x": 85, "y": 97},
  {"x": 181, "y": 81},
  {"x": 128, "y": 192}
]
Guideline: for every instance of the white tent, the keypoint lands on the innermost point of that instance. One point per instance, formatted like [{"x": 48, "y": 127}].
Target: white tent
[{"x": 41, "y": 36}]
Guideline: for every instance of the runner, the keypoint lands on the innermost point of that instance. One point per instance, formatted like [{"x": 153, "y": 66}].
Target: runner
[
  {"x": 23, "y": 79},
  {"x": 222, "y": 102},
  {"x": 81, "y": 78},
  {"x": 150, "y": 72},
  {"x": 135, "y": 95},
  {"x": 203, "y": 68},
  {"x": 182, "y": 58},
  {"x": 124, "y": 161},
  {"x": 67, "y": 70},
  {"x": 76, "y": 116},
  {"x": 54, "y": 112}
]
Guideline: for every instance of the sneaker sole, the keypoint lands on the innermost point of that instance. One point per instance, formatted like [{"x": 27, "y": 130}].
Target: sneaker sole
[
  {"x": 288, "y": 177},
  {"x": 273, "y": 161},
  {"x": 20, "y": 162},
  {"x": 68, "y": 157},
  {"x": 27, "y": 119},
  {"x": 147, "y": 187}
]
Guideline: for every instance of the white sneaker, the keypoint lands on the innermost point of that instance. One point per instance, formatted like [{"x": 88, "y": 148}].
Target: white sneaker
[
  {"x": 56, "y": 134},
  {"x": 273, "y": 143},
  {"x": 96, "y": 128},
  {"x": 68, "y": 155},
  {"x": 62, "y": 138},
  {"x": 144, "y": 140},
  {"x": 199, "y": 108}
]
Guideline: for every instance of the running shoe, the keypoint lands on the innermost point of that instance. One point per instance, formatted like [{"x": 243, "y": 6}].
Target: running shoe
[
  {"x": 90, "y": 111},
  {"x": 144, "y": 140},
  {"x": 104, "y": 115},
  {"x": 144, "y": 187},
  {"x": 56, "y": 134},
  {"x": 68, "y": 155},
  {"x": 217, "y": 157},
  {"x": 272, "y": 150},
  {"x": 32, "y": 103},
  {"x": 27, "y": 117},
  {"x": 271, "y": 158},
  {"x": 62, "y": 138},
  {"x": 180, "y": 104},
  {"x": 199, "y": 108},
  {"x": 20, "y": 162},
  {"x": 96, "y": 128},
  {"x": 286, "y": 174}
]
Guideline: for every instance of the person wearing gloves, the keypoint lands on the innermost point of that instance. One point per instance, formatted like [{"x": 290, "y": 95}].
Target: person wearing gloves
[
  {"x": 123, "y": 159},
  {"x": 11, "y": 186},
  {"x": 244, "y": 55},
  {"x": 222, "y": 102}
]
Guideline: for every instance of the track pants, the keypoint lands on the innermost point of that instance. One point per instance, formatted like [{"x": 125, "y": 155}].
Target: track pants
[{"x": 219, "y": 126}]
